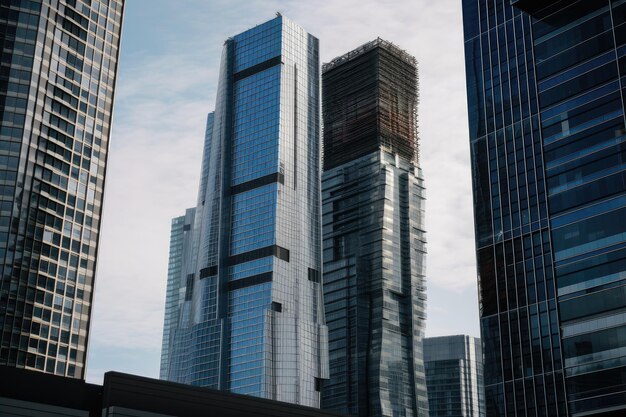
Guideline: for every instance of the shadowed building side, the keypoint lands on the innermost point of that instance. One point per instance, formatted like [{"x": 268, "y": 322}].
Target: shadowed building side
[{"x": 545, "y": 84}]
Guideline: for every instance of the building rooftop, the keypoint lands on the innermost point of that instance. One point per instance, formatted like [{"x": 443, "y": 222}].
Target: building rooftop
[{"x": 366, "y": 47}]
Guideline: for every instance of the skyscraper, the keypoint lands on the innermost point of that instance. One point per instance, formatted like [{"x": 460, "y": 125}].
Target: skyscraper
[
  {"x": 374, "y": 243},
  {"x": 454, "y": 376},
  {"x": 252, "y": 319},
  {"x": 546, "y": 118},
  {"x": 57, "y": 76}
]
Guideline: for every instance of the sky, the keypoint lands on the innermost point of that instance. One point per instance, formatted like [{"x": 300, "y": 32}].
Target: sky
[{"x": 167, "y": 77}]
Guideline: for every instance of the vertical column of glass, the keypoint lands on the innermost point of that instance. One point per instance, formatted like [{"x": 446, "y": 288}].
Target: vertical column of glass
[
  {"x": 519, "y": 323},
  {"x": 402, "y": 382},
  {"x": 20, "y": 26},
  {"x": 299, "y": 326},
  {"x": 347, "y": 315},
  {"x": 415, "y": 277},
  {"x": 579, "y": 55},
  {"x": 171, "y": 315},
  {"x": 255, "y": 147}
]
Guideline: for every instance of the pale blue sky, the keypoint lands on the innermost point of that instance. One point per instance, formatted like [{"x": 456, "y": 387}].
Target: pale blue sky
[{"x": 166, "y": 86}]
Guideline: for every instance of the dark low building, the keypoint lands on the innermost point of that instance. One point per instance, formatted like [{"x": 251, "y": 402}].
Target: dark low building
[{"x": 33, "y": 394}]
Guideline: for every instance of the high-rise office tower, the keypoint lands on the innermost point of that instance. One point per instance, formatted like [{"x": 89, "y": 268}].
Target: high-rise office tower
[
  {"x": 57, "y": 75},
  {"x": 546, "y": 117},
  {"x": 374, "y": 244},
  {"x": 454, "y": 376},
  {"x": 252, "y": 319}
]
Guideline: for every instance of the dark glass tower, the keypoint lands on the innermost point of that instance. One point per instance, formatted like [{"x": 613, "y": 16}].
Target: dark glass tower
[
  {"x": 57, "y": 76},
  {"x": 374, "y": 243},
  {"x": 454, "y": 376},
  {"x": 251, "y": 315},
  {"x": 545, "y": 82}
]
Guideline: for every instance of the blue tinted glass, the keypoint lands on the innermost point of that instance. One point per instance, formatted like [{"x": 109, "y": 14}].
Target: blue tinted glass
[
  {"x": 253, "y": 219},
  {"x": 246, "y": 311},
  {"x": 255, "y": 136},
  {"x": 258, "y": 44}
]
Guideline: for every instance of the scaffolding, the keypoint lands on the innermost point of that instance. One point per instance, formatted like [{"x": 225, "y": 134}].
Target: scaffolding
[{"x": 370, "y": 99}]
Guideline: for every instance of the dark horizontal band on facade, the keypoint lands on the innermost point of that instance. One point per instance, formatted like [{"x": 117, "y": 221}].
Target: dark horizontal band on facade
[
  {"x": 249, "y": 281},
  {"x": 258, "y": 182},
  {"x": 208, "y": 271},
  {"x": 274, "y": 250},
  {"x": 257, "y": 68},
  {"x": 314, "y": 275}
]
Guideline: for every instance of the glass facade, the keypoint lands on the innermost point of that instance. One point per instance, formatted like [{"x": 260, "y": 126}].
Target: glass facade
[
  {"x": 57, "y": 77},
  {"x": 454, "y": 376},
  {"x": 546, "y": 108},
  {"x": 180, "y": 239},
  {"x": 373, "y": 231},
  {"x": 252, "y": 319}
]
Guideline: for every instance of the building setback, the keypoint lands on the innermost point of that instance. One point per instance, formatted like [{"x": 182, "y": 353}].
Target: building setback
[
  {"x": 454, "y": 376},
  {"x": 251, "y": 319},
  {"x": 57, "y": 78},
  {"x": 180, "y": 239},
  {"x": 547, "y": 135},
  {"x": 374, "y": 243}
]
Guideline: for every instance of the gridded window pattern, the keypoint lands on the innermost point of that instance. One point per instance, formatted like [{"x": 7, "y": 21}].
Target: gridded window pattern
[
  {"x": 520, "y": 332},
  {"x": 454, "y": 376},
  {"x": 547, "y": 131},
  {"x": 253, "y": 219},
  {"x": 258, "y": 44},
  {"x": 47, "y": 265},
  {"x": 174, "y": 271},
  {"x": 255, "y": 137},
  {"x": 251, "y": 268},
  {"x": 374, "y": 295},
  {"x": 446, "y": 394},
  {"x": 205, "y": 356},
  {"x": 259, "y": 209},
  {"x": 247, "y": 308},
  {"x": 579, "y": 63}
]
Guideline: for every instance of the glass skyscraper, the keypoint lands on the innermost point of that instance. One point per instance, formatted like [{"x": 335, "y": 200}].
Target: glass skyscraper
[
  {"x": 57, "y": 76},
  {"x": 545, "y": 82},
  {"x": 251, "y": 320},
  {"x": 454, "y": 376},
  {"x": 374, "y": 243}
]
